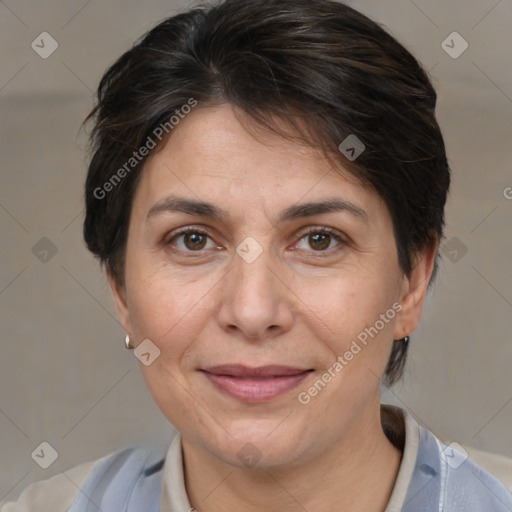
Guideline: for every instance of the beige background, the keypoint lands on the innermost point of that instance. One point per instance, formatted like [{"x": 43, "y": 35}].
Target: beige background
[{"x": 66, "y": 377}]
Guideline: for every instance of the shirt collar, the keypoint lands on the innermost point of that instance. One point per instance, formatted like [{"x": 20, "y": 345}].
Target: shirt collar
[{"x": 398, "y": 421}]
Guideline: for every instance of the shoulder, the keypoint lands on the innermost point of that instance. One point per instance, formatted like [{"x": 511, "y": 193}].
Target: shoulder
[
  {"x": 464, "y": 485},
  {"x": 54, "y": 494},
  {"x": 498, "y": 465},
  {"x": 58, "y": 493},
  {"x": 452, "y": 477},
  {"x": 471, "y": 487}
]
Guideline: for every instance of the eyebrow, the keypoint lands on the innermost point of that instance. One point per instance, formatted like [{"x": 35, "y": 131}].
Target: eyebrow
[{"x": 205, "y": 209}]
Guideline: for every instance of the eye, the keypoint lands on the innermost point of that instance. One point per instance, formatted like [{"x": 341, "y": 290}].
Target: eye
[
  {"x": 320, "y": 240},
  {"x": 191, "y": 240}
]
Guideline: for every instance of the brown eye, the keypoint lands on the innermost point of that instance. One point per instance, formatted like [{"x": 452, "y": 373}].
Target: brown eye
[
  {"x": 194, "y": 241},
  {"x": 319, "y": 241},
  {"x": 191, "y": 240}
]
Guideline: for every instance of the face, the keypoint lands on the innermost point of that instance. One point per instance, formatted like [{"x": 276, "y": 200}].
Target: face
[{"x": 256, "y": 270}]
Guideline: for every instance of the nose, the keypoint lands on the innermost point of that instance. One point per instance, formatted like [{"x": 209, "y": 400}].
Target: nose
[{"x": 256, "y": 302}]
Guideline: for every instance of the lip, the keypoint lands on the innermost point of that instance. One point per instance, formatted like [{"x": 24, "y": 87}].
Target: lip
[{"x": 255, "y": 385}]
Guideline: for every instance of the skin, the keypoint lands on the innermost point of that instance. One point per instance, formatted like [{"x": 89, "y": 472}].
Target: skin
[{"x": 298, "y": 304}]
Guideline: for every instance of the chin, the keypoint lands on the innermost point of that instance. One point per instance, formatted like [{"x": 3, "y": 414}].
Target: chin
[{"x": 253, "y": 445}]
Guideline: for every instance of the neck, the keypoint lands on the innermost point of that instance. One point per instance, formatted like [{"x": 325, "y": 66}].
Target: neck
[{"x": 356, "y": 473}]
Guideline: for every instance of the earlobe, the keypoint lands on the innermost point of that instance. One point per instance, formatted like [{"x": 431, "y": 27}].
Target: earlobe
[
  {"x": 414, "y": 291},
  {"x": 120, "y": 302}
]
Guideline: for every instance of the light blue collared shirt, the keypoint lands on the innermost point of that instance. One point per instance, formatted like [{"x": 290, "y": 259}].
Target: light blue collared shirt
[{"x": 433, "y": 477}]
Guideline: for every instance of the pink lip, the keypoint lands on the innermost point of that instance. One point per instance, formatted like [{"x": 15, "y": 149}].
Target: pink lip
[{"x": 255, "y": 385}]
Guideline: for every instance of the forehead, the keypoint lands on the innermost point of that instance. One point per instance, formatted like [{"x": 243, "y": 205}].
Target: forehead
[{"x": 213, "y": 154}]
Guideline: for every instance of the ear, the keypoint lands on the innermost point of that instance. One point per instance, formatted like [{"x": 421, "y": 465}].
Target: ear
[
  {"x": 119, "y": 295},
  {"x": 414, "y": 291}
]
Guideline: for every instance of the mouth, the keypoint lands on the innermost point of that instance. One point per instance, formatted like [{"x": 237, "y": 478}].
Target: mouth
[{"x": 255, "y": 385}]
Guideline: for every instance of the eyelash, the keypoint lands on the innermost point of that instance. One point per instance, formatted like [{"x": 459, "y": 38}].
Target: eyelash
[{"x": 311, "y": 231}]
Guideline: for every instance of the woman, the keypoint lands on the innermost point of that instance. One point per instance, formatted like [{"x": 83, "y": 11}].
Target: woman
[{"x": 267, "y": 193}]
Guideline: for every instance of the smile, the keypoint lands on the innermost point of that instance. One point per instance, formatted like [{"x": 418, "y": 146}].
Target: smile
[{"x": 255, "y": 385}]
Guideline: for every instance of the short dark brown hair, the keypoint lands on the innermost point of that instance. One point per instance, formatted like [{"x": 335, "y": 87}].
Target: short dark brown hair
[{"x": 324, "y": 69}]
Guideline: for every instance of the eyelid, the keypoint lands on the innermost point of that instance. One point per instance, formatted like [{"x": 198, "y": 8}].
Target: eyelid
[
  {"x": 321, "y": 229},
  {"x": 188, "y": 229}
]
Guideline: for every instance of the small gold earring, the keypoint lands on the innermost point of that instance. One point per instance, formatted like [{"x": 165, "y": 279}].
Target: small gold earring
[{"x": 127, "y": 342}]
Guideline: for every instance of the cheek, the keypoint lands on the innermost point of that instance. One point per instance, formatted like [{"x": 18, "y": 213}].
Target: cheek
[
  {"x": 169, "y": 310},
  {"x": 356, "y": 327},
  {"x": 346, "y": 306},
  {"x": 172, "y": 314}
]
